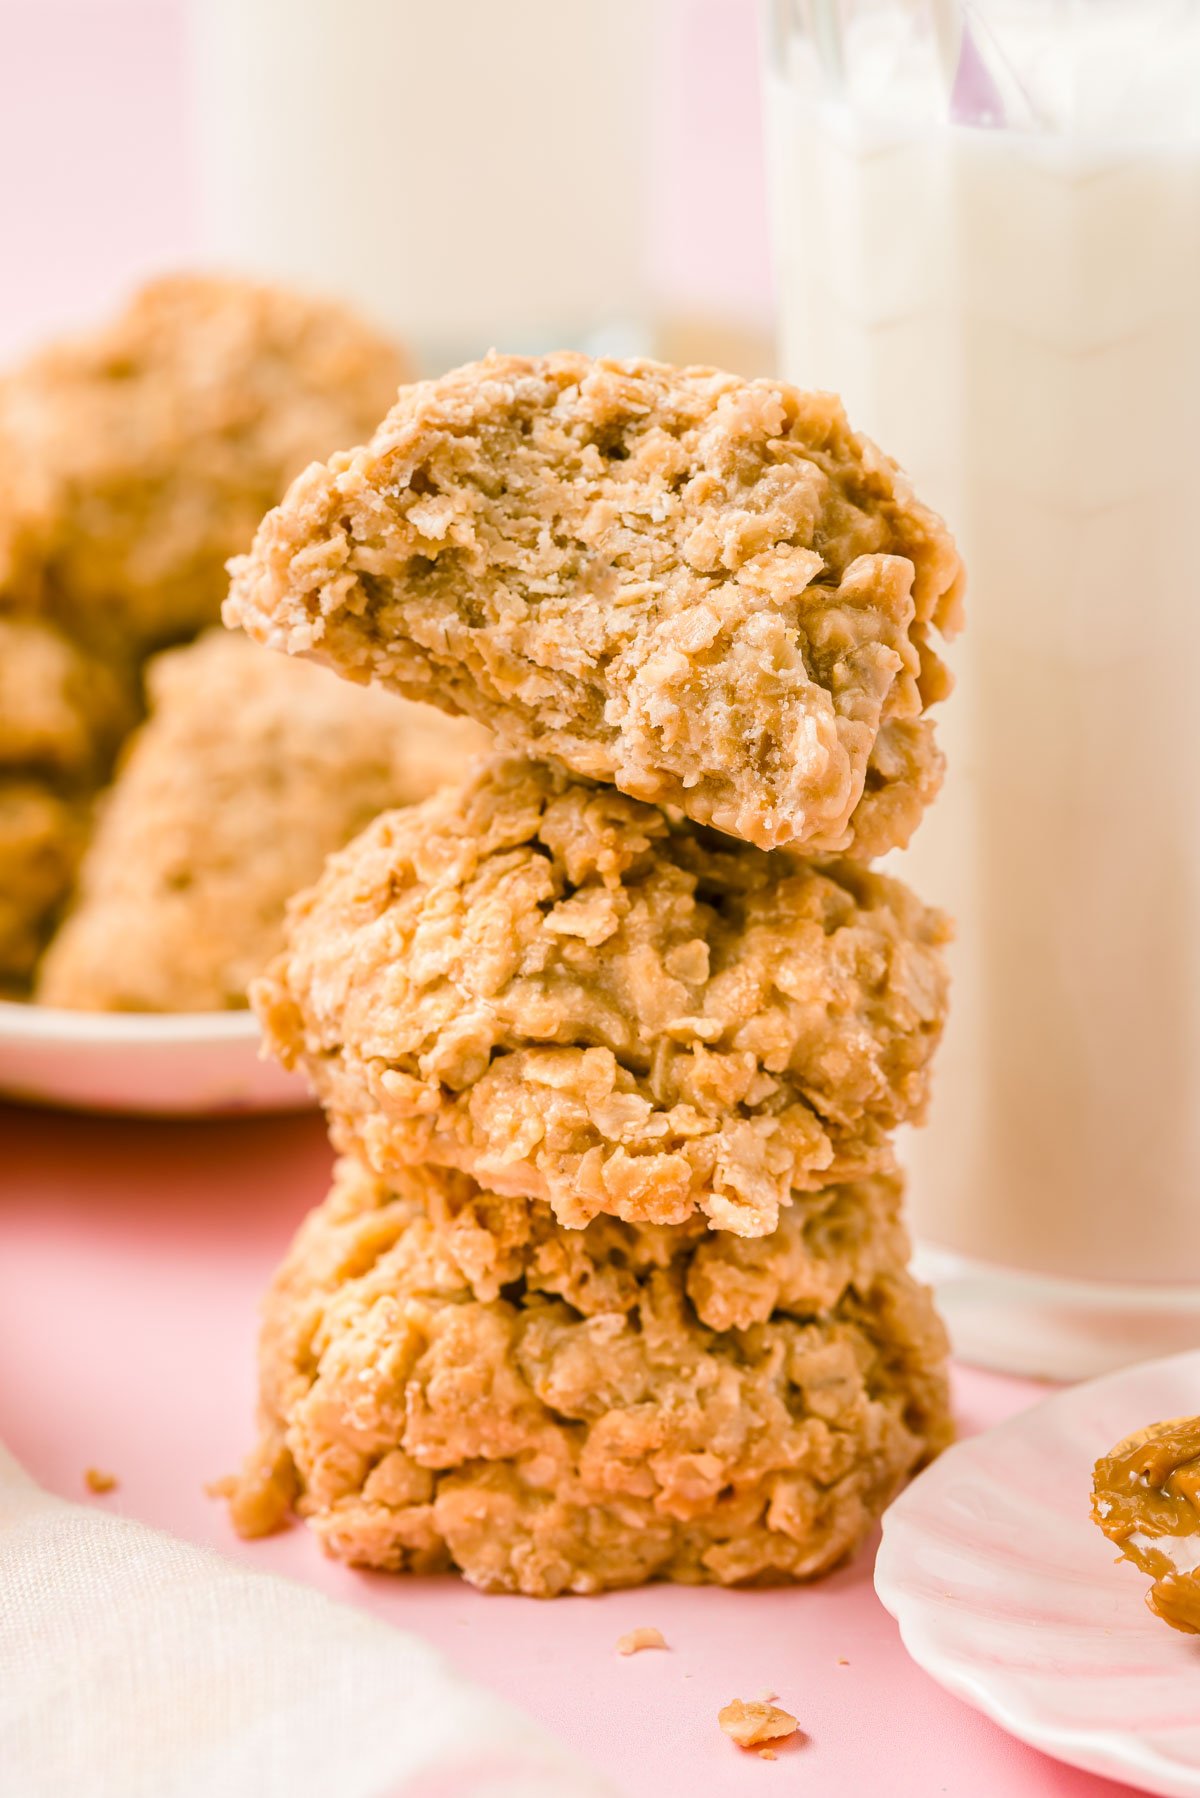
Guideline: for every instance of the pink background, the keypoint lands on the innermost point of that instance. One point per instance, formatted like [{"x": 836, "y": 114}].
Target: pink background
[{"x": 132, "y": 1256}]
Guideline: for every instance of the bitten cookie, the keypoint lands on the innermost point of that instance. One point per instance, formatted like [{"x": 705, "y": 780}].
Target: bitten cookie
[
  {"x": 448, "y": 1378},
  {"x": 708, "y": 591},
  {"x": 136, "y": 459},
  {"x": 248, "y": 772},
  {"x": 581, "y": 999}
]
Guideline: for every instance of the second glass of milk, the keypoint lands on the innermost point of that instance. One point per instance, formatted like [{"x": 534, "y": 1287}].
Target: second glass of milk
[
  {"x": 987, "y": 222},
  {"x": 472, "y": 172}
]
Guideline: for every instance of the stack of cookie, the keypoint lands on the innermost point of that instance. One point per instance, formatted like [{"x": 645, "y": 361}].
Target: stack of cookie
[{"x": 612, "y": 1036}]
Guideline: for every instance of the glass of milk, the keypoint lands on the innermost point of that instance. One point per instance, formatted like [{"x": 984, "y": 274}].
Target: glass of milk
[
  {"x": 471, "y": 172},
  {"x": 987, "y": 223}
]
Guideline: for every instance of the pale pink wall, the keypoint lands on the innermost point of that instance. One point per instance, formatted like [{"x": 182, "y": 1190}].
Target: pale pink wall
[
  {"x": 710, "y": 243},
  {"x": 94, "y": 177},
  {"x": 95, "y": 173}
]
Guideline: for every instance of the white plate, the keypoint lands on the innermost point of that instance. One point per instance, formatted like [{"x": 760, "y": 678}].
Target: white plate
[
  {"x": 178, "y": 1065},
  {"x": 1007, "y": 1593}
]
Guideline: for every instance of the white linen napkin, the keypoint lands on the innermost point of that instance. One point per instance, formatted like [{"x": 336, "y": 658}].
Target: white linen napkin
[{"x": 136, "y": 1666}]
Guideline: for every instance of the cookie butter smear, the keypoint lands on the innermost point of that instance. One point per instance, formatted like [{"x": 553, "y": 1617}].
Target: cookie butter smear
[{"x": 1146, "y": 1499}]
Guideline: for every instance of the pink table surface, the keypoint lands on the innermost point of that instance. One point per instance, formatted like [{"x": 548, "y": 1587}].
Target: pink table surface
[{"x": 132, "y": 1257}]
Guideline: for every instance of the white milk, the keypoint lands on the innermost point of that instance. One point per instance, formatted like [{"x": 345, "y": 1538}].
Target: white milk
[
  {"x": 472, "y": 171},
  {"x": 1015, "y": 315}
]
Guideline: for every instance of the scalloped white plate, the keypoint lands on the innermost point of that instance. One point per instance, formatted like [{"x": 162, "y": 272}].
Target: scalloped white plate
[
  {"x": 179, "y": 1065},
  {"x": 1007, "y": 1593}
]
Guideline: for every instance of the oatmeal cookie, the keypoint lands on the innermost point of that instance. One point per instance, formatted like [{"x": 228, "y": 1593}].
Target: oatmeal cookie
[
  {"x": 755, "y": 1721},
  {"x": 41, "y": 839},
  {"x": 583, "y": 999},
  {"x": 135, "y": 460},
  {"x": 710, "y": 592},
  {"x": 248, "y": 771},
  {"x": 623, "y": 1406},
  {"x": 62, "y": 711}
]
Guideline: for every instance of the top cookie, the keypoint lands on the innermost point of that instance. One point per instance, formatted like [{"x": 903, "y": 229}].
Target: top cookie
[
  {"x": 134, "y": 460},
  {"x": 710, "y": 592}
]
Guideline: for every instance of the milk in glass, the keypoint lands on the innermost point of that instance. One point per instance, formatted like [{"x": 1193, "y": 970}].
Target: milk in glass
[{"x": 988, "y": 231}]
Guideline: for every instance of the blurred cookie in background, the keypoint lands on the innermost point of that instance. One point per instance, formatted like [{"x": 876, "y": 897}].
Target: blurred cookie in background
[
  {"x": 249, "y": 770},
  {"x": 135, "y": 459},
  {"x": 42, "y": 836},
  {"x": 63, "y": 711}
]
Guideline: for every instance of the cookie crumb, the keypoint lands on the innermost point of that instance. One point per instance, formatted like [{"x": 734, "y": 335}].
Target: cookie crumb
[
  {"x": 260, "y": 1498},
  {"x": 96, "y": 1480},
  {"x": 636, "y": 1639},
  {"x": 751, "y": 1722},
  {"x": 767, "y": 1695},
  {"x": 842, "y": 1661},
  {"x": 767, "y": 1754}
]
